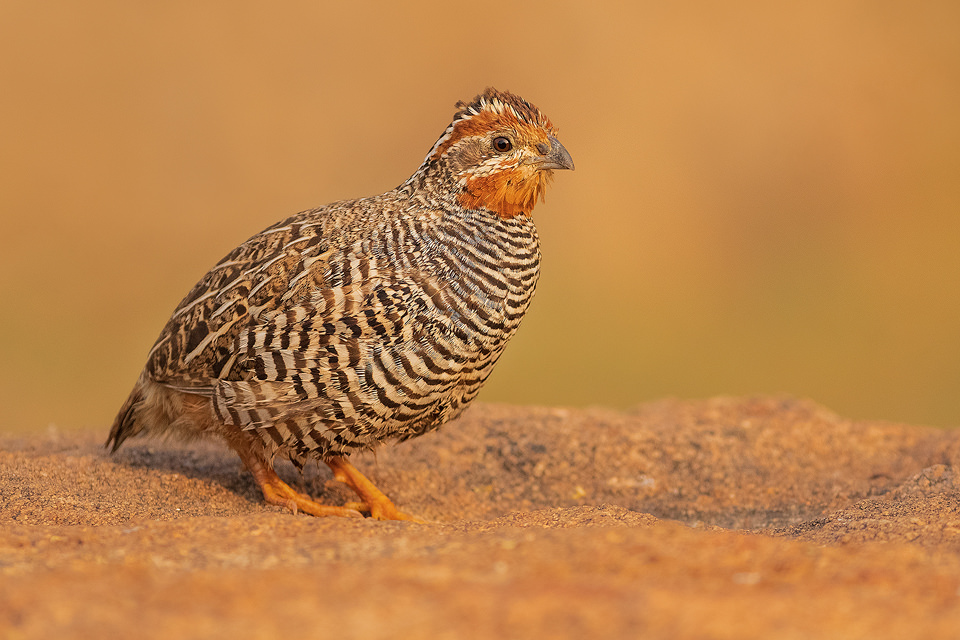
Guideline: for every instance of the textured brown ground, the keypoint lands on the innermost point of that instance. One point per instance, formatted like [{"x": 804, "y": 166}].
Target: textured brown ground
[{"x": 728, "y": 518}]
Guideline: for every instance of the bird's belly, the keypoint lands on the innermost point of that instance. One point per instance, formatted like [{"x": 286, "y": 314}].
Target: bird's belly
[{"x": 429, "y": 387}]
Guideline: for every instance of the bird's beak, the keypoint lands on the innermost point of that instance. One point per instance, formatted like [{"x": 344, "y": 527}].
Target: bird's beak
[{"x": 554, "y": 158}]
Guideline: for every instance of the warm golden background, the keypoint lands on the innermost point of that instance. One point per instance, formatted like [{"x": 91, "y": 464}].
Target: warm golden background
[{"x": 767, "y": 198}]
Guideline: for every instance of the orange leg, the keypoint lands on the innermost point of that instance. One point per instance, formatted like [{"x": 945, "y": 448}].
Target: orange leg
[
  {"x": 374, "y": 500},
  {"x": 276, "y": 491}
]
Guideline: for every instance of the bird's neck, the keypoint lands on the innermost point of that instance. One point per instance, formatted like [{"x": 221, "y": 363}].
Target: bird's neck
[{"x": 508, "y": 194}]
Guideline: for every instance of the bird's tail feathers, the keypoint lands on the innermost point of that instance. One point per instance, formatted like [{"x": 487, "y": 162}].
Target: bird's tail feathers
[{"x": 125, "y": 424}]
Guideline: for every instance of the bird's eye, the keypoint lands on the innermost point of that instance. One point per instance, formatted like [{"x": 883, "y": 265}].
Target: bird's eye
[{"x": 502, "y": 144}]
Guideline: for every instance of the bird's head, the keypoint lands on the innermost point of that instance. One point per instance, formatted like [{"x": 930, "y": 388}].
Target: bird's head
[{"x": 500, "y": 152}]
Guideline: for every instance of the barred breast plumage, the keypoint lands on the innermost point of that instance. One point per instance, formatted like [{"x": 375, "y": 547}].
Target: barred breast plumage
[{"x": 363, "y": 320}]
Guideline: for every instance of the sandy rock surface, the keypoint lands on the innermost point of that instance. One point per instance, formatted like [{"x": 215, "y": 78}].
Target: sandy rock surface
[{"x": 726, "y": 518}]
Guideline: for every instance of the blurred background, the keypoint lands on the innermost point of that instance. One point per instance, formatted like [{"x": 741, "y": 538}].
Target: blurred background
[{"x": 766, "y": 200}]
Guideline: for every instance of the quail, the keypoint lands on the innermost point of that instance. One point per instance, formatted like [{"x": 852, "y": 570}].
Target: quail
[{"x": 361, "y": 321}]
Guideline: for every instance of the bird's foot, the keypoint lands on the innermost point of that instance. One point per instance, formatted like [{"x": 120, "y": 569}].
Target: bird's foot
[
  {"x": 373, "y": 501},
  {"x": 276, "y": 491},
  {"x": 383, "y": 511},
  {"x": 280, "y": 493}
]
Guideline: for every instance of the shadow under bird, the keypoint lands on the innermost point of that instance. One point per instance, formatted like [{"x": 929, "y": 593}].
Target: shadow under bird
[{"x": 364, "y": 320}]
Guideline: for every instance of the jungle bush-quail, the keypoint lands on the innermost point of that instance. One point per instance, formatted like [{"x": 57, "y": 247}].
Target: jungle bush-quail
[{"x": 364, "y": 320}]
